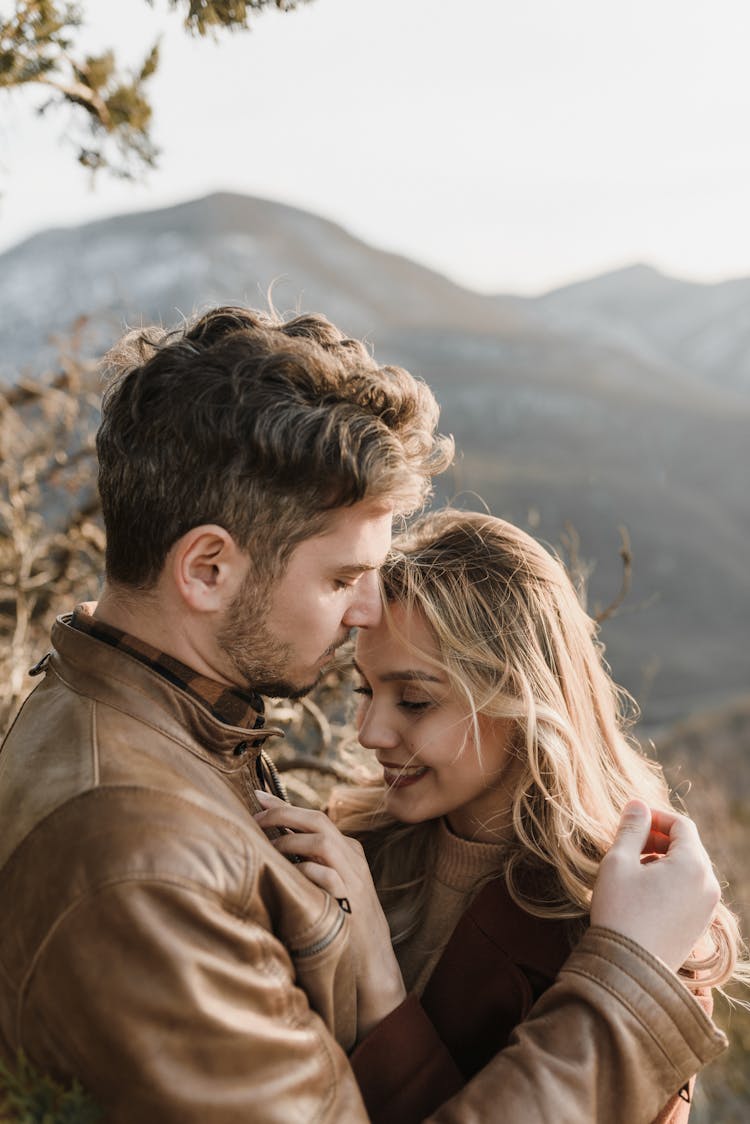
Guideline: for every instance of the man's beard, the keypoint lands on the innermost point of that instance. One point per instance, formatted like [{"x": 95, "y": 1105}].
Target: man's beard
[{"x": 255, "y": 653}]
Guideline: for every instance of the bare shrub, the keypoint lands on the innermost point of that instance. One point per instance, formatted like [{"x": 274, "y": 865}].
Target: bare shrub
[{"x": 51, "y": 539}]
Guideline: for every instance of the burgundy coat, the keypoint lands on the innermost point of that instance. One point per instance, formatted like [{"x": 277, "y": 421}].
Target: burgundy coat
[{"x": 497, "y": 962}]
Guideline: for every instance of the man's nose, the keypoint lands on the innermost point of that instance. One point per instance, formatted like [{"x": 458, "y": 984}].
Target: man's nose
[{"x": 365, "y": 609}]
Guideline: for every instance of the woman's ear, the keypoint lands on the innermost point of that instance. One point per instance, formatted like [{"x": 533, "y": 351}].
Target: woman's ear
[{"x": 207, "y": 568}]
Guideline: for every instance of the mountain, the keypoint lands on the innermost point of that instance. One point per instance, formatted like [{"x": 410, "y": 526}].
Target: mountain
[
  {"x": 699, "y": 328},
  {"x": 579, "y": 407},
  {"x": 224, "y": 248}
]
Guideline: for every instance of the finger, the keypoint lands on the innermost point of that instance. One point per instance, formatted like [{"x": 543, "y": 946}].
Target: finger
[
  {"x": 687, "y": 853},
  {"x": 656, "y": 844},
  {"x": 678, "y": 828},
  {"x": 282, "y": 814},
  {"x": 328, "y": 880},
  {"x": 300, "y": 843},
  {"x": 633, "y": 829},
  {"x": 671, "y": 833},
  {"x": 315, "y": 847},
  {"x": 266, "y": 799}
]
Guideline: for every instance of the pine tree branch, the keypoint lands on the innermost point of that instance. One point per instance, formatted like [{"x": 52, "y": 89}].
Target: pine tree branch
[{"x": 80, "y": 94}]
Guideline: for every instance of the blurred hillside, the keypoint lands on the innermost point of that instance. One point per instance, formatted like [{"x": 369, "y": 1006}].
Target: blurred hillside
[
  {"x": 689, "y": 327},
  {"x": 615, "y": 401}
]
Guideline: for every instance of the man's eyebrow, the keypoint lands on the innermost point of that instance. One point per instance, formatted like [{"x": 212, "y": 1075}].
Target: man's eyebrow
[
  {"x": 358, "y": 568},
  {"x": 409, "y": 675}
]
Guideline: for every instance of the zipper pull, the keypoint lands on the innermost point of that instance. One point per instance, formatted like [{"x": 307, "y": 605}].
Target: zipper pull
[{"x": 40, "y": 665}]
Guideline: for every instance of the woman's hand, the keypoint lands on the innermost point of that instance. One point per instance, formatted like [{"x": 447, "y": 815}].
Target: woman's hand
[
  {"x": 666, "y": 902},
  {"x": 338, "y": 865}
]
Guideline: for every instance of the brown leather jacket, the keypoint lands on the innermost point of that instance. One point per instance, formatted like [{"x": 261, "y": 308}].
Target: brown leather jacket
[{"x": 155, "y": 945}]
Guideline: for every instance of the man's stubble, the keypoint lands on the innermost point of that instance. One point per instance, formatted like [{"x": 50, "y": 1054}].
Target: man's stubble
[{"x": 259, "y": 657}]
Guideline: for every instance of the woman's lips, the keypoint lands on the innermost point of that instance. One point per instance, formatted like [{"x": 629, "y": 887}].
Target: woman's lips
[{"x": 400, "y": 776}]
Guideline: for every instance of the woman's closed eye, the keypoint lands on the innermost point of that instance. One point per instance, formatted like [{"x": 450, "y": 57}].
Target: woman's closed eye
[
  {"x": 415, "y": 704},
  {"x": 411, "y": 705}
]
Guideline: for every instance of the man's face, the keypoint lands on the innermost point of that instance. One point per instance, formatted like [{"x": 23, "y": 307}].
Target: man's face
[{"x": 330, "y": 585}]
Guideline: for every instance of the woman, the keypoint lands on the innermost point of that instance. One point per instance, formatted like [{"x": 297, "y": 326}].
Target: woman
[{"x": 505, "y": 768}]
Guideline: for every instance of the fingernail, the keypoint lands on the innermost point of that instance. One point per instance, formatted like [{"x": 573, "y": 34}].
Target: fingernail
[{"x": 262, "y": 797}]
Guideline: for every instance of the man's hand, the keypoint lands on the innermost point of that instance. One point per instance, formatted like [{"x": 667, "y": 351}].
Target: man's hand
[
  {"x": 338, "y": 865},
  {"x": 656, "y": 885}
]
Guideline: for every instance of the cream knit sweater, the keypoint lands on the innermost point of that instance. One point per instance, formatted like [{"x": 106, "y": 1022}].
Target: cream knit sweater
[{"x": 461, "y": 868}]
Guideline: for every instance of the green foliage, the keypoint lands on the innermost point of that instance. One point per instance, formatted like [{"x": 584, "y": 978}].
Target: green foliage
[
  {"x": 38, "y": 46},
  {"x": 204, "y": 16},
  {"x": 28, "y": 1097},
  {"x": 34, "y": 38}
]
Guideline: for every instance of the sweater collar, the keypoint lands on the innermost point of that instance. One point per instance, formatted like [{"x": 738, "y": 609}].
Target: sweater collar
[{"x": 462, "y": 864}]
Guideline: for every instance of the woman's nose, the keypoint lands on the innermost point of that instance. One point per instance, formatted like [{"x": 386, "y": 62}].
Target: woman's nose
[{"x": 374, "y": 728}]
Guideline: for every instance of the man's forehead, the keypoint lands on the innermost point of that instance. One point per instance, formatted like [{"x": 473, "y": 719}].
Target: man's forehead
[
  {"x": 363, "y": 530},
  {"x": 362, "y": 553}
]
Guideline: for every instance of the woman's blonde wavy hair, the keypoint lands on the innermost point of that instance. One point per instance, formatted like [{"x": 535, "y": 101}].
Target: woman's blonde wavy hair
[{"x": 515, "y": 640}]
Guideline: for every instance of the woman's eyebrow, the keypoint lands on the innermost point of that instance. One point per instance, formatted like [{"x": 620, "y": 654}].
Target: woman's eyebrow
[{"x": 409, "y": 675}]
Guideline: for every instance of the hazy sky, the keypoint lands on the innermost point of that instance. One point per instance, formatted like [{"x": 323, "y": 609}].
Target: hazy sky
[{"x": 513, "y": 146}]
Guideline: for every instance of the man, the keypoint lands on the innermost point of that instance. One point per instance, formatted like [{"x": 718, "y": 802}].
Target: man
[{"x": 153, "y": 943}]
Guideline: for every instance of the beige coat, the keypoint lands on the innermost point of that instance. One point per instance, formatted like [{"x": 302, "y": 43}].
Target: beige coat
[{"x": 155, "y": 945}]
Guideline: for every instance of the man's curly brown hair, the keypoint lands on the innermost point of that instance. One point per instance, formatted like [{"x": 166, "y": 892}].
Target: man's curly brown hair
[{"x": 260, "y": 425}]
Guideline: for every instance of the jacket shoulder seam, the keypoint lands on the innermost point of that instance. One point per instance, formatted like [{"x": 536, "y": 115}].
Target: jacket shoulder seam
[{"x": 94, "y": 745}]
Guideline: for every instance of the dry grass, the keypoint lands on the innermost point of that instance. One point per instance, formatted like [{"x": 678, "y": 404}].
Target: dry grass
[{"x": 706, "y": 760}]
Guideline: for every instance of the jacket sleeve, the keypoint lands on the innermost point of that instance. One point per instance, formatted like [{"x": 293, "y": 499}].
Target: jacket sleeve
[
  {"x": 613, "y": 1039},
  {"x": 170, "y": 1008},
  {"x": 405, "y": 1071},
  {"x": 677, "y": 1110}
]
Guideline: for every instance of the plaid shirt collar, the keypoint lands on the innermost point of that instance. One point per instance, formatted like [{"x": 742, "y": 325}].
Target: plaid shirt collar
[{"x": 231, "y": 705}]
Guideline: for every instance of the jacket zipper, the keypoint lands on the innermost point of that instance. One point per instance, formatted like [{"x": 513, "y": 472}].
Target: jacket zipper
[{"x": 322, "y": 942}]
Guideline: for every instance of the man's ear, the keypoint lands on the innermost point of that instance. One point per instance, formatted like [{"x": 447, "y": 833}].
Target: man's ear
[{"x": 207, "y": 568}]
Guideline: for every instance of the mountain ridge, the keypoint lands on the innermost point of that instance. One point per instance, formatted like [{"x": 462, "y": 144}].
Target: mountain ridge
[{"x": 590, "y": 426}]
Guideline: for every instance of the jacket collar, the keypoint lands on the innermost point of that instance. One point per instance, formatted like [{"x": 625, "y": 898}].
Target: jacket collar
[
  {"x": 129, "y": 679},
  {"x": 230, "y": 704}
]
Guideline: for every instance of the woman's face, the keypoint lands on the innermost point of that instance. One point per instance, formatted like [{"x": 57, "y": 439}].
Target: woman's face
[{"x": 423, "y": 735}]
